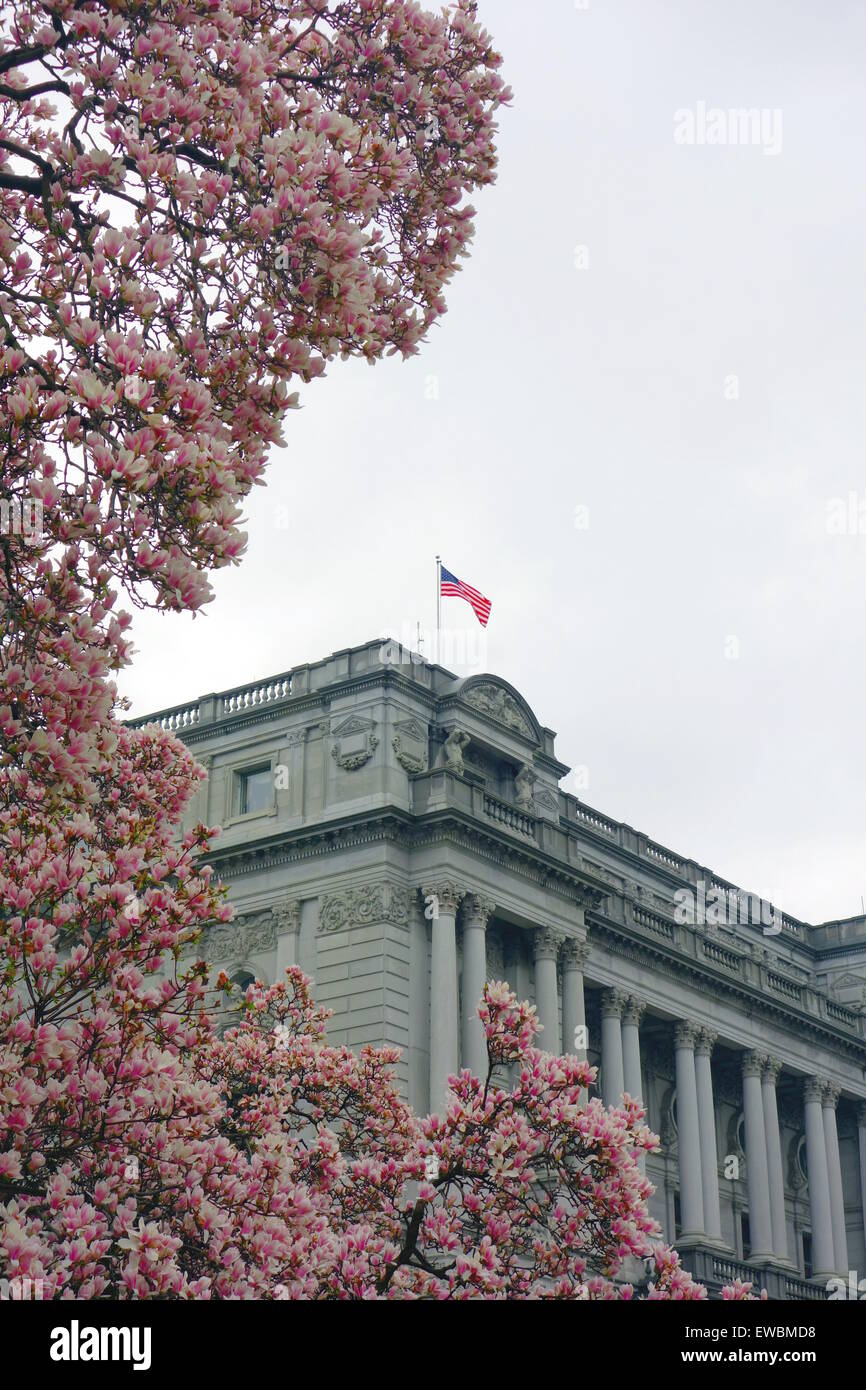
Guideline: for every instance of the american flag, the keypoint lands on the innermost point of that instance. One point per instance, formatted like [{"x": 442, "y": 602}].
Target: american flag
[{"x": 452, "y": 587}]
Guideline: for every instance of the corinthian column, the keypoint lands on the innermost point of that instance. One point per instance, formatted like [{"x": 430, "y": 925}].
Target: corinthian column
[
  {"x": 704, "y": 1044},
  {"x": 769, "y": 1077},
  {"x": 834, "y": 1178},
  {"x": 612, "y": 1065},
  {"x": 441, "y": 901},
  {"x": 574, "y": 957},
  {"x": 632, "y": 1013},
  {"x": 689, "y": 1133},
  {"x": 760, "y": 1220},
  {"x": 476, "y": 914},
  {"x": 546, "y": 943},
  {"x": 287, "y": 917},
  {"x": 823, "y": 1254}
]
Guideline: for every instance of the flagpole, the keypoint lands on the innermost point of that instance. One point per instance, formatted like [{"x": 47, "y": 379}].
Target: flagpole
[{"x": 438, "y": 606}]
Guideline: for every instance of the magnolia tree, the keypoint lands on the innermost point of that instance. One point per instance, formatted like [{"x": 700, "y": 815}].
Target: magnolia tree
[{"x": 202, "y": 202}]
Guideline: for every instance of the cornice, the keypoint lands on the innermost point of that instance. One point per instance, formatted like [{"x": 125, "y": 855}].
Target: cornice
[
  {"x": 594, "y": 840},
  {"x": 410, "y": 831},
  {"x": 621, "y": 941}
]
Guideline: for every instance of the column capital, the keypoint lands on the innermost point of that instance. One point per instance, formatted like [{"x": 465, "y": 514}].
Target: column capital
[
  {"x": 447, "y": 893},
  {"x": 686, "y": 1034},
  {"x": 287, "y": 915},
  {"x": 754, "y": 1063},
  {"x": 633, "y": 1010},
  {"x": 813, "y": 1088},
  {"x": 830, "y": 1095},
  {"x": 612, "y": 1001},
  {"x": 477, "y": 909},
  {"x": 772, "y": 1067},
  {"x": 546, "y": 943},
  {"x": 575, "y": 954},
  {"x": 705, "y": 1042}
]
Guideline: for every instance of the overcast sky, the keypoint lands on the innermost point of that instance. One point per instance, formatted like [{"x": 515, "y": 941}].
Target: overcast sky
[{"x": 629, "y": 433}]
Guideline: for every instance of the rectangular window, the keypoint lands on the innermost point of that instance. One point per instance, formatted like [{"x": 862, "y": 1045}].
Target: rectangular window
[
  {"x": 746, "y": 1235},
  {"x": 807, "y": 1255},
  {"x": 678, "y": 1220},
  {"x": 255, "y": 791}
]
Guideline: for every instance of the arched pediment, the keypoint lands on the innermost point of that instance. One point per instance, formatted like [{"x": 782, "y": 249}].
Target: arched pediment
[{"x": 496, "y": 699}]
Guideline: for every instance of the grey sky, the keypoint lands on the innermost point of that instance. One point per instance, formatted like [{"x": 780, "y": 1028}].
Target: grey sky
[{"x": 610, "y": 388}]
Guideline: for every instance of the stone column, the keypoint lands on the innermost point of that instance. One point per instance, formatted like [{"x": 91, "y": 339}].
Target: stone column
[
  {"x": 760, "y": 1220},
  {"x": 574, "y": 957},
  {"x": 861, "y": 1144},
  {"x": 546, "y": 943},
  {"x": 632, "y": 1013},
  {"x": 775, "y": 1174},
  {"x": 704, "y": 1044},
  {"x": 441, "y": 902},
  {"x": 612, "y": 1068},
  {"x": 823, "y": 1254},
  {"x": 476, "y": 913},
  {"x": 688, "y": 1133},
  {"x": 834, "y": 1178},
  {"x": 287, "y": 916}
]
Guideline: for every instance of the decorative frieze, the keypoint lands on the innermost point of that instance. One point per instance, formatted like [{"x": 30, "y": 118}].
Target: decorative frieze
[
  {"x": 358, "y": 907},
  {"x": 243, "y": 937}
]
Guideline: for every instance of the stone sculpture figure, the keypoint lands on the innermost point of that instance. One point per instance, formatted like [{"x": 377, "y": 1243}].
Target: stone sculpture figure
[
  {"x": 523, "y": 784},
  {"x": 452, "y": 751}
]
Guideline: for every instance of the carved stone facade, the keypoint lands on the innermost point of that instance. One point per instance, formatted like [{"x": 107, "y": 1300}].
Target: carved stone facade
[{"x": 422, "y": 843}]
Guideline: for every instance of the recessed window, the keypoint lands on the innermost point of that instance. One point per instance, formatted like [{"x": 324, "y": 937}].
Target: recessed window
[
  {"x": 807, "y": 1255},
  {"x": 745, "y": 1235},
  {"x": 254, "y": 791}
]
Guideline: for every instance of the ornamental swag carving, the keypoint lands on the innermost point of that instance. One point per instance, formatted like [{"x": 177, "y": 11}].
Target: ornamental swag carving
[
  {"x": 357, "y": 907},
  {"x": 243, "y": 937}
]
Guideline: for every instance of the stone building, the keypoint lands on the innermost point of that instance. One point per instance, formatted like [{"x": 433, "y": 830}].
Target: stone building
[{"x": 401, "y": 834}]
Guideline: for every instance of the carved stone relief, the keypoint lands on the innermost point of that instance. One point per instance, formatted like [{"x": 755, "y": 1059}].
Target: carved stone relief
[
  {"x": 492, "y": 700},
  {"x": 358, "y": 907}
]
